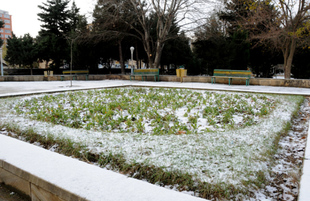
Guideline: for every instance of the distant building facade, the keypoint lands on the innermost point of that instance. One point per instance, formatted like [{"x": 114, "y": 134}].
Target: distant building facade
[{"x": 6, "y": 32}]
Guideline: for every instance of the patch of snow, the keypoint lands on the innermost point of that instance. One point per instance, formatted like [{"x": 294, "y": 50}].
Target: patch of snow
[
  {"x": 100, "y": 141},
  {"x": 86, "y": 180},
  {"x": 227, "y": 156}
]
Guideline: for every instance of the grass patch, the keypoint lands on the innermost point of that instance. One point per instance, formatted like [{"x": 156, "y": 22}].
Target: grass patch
[
  {"x": 153, "y": 110},
  {"x": 155, "y": 175},
  {"x": 217, "y": 145}
]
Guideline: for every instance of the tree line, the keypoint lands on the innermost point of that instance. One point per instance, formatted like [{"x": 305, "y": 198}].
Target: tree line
[
  {"x": 255, "y": 34},
  {"x": 258, "y": 35}
]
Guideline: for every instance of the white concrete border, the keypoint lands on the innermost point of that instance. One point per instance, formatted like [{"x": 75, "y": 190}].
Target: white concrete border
[
  {"x": 56, "y": 173},
  {"x": 304, "y": 186}
]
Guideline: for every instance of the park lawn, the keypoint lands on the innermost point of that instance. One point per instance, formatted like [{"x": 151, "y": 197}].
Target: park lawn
[{"x": 213, "y": 144}]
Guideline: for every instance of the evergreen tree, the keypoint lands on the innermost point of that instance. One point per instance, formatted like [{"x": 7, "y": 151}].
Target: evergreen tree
[
  {"x": 262, "y": 60},
  {"x": 29, "y": 52},
  {"x": 78, "y": 27},
  {"x": 301, "y": 67},
  {"x": 57, "y": 24},
  {"x": 14, "y": 46},
  {"x": 239, "y": 47},
  {"x": 55, "y": 17},
  {"x": 214, "y": 53},
  {"x": 22, "y": 51},
  {"x": 43, "y": 50},
  {"x": 177, "y": 51},
  {"x": 223, "y": 43},
  {"x": 81, "y": 54},
  {"x": 109, "y": 25},
  {"x": 281, "y": 24},
  {"x": 233, "y": 12},
  {"x": 219, "y": 50}
]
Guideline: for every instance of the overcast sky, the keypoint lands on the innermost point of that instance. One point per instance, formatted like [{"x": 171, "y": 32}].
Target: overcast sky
[{"x": 25, "y": 18}]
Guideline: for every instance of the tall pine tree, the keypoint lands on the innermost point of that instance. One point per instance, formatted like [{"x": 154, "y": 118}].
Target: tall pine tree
[{"x": 56, "y": 21}]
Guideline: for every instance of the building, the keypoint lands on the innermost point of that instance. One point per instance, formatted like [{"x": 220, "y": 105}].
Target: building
[{"x": 6, "y": 32}]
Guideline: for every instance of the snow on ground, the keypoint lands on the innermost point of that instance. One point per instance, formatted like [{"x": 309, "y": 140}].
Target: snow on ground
[
  {"x": 85, "y": 180},
  {"x": 159, "y": 146},
  {"x": 231, "y": 157},
  {"x": 286, "y": 168}
]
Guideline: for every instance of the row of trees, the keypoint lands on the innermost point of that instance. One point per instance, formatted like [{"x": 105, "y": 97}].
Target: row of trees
[
  {"x": 255, "y": 33},
  {"x": 58, "y": 25},
  {"x": 245, "y": 33},
  {"x": 117, "y": 25}
]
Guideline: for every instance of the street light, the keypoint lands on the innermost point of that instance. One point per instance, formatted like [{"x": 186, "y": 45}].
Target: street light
[
  {"x": 131, "y": 50},
  {"x": 71, "y": 63},
  {"x": 1, "y": 61}
]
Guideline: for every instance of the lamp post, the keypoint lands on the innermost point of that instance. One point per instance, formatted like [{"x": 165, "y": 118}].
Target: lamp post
[
  {"x": 1, "y": 61},
  {"x": 72, "y": 39},
  {"x": 131, "y": 50},
  {"x": 71, "y": 63}
]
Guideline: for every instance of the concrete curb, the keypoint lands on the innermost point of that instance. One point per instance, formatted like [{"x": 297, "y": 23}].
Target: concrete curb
[
  {"x": 304, "y": 186},
  {"x": 31, "y": 186},
  {"x": 45, "y": 175}
]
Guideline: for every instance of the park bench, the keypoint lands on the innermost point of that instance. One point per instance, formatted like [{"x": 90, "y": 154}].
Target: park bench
[
  {"x": 146, "y": 72},
  {"x": 74, "y": 74},
  {"x": 232, "y": 74}
]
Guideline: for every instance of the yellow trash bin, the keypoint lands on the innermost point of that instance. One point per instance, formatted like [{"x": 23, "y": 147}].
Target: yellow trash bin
[
  {"x": 45, "y": 73},
  {"x": 183, "y": 72},
  {"x": 178, "y": 72}
]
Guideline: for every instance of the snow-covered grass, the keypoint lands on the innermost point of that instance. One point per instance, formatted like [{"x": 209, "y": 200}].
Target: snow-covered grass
[
  {"x": 215, "y": 144},
  {"x": 152, "y": 111}
]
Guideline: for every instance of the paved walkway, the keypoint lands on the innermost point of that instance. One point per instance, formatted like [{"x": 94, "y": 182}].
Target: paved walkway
[{"x": 24, "y": 88}]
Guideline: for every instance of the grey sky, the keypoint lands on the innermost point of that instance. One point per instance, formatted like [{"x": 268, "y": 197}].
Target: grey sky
[{"x": 24, "y": 14}]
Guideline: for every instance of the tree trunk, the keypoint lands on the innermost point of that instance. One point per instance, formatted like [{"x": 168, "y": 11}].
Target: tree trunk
[
  {"x": 137, "y": 56},
  {"x": 288, "y": 55},
  {"x": 159, "y": 49},
  {"x": 147, "y": 48},
  {"x": 121, "y": 60}
]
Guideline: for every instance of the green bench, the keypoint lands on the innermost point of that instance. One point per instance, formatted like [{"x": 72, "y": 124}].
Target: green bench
[
  {"x": 146, "y": 72},
  {"x": 231, "y": 74},
  {"x": 74, "y": 74}
]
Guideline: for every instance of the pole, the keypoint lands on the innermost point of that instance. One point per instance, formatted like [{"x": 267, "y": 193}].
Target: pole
[
  {"x": 1, "y": 62},
  {"x": 71, "y": 63},
  {"x": 131, "y": 50}
]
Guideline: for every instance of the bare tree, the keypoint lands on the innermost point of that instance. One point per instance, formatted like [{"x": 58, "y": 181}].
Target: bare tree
[
  {"x": 283, "y": 22},
  {"x": 293, "y": 26},
  {"x": 108, "y": 24},
  {"x": 145, "y": 17}
]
